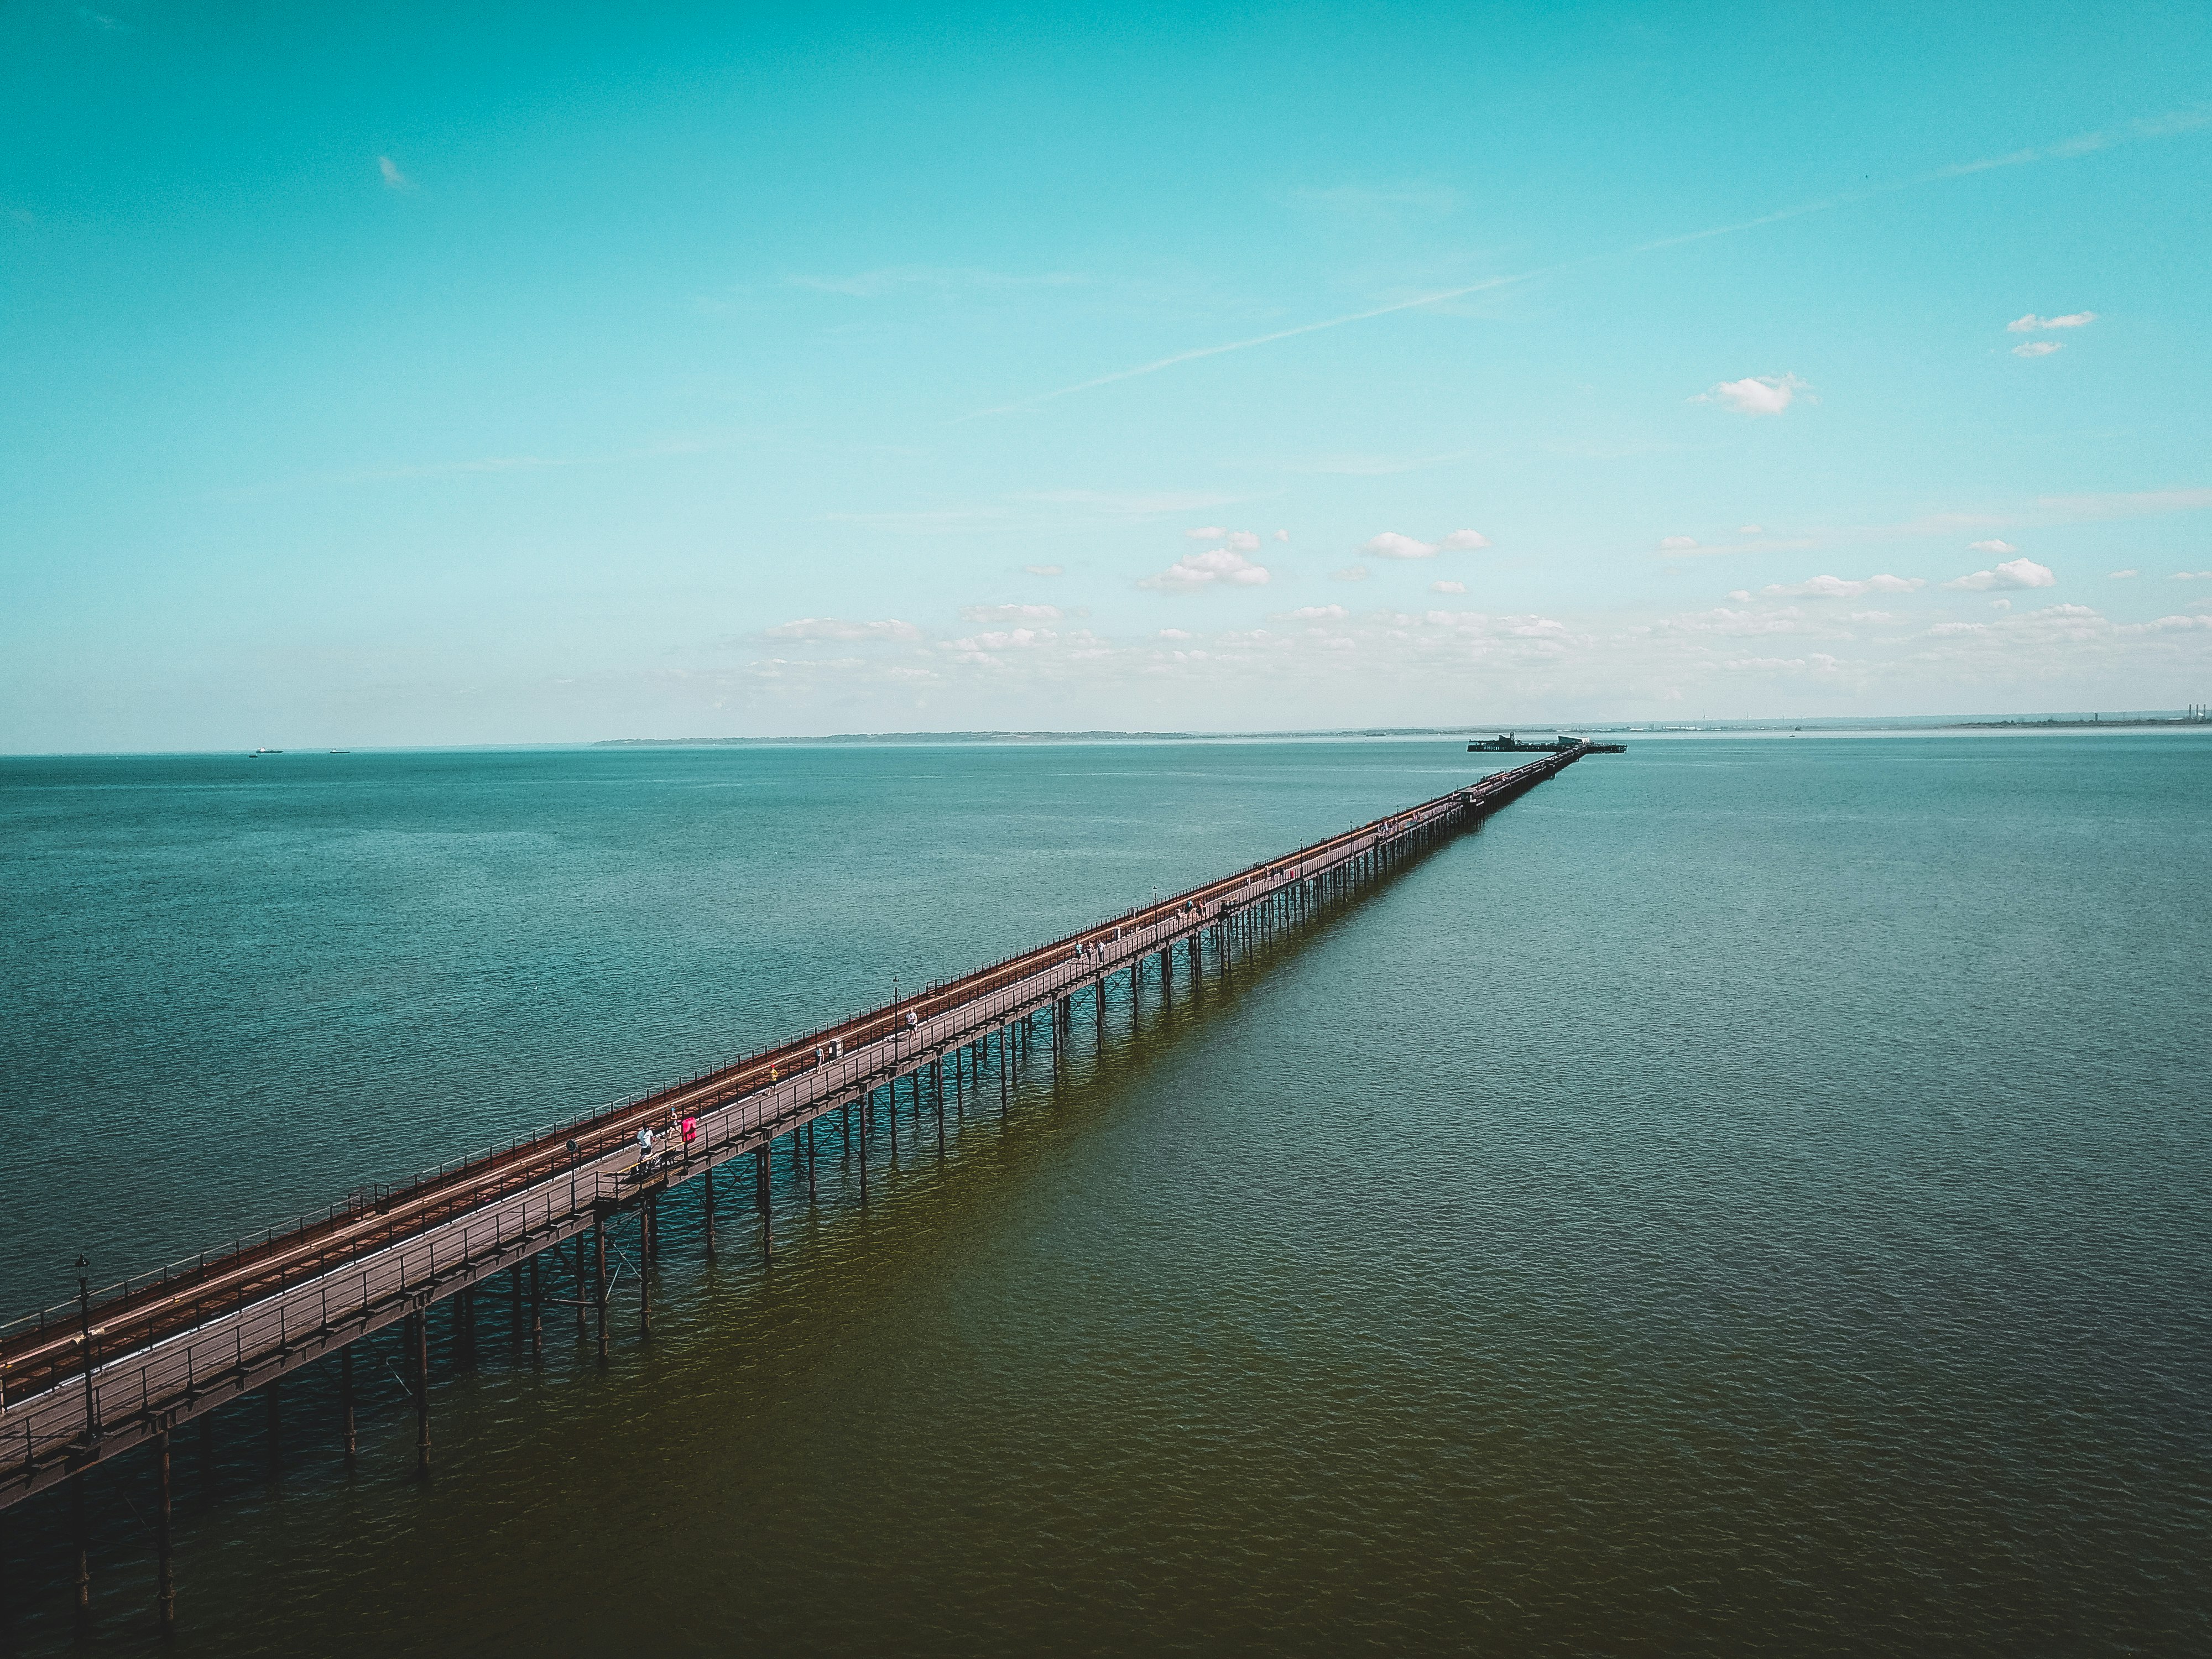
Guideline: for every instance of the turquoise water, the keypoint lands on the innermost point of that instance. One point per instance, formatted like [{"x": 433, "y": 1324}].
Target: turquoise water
[{"x": 1749, "y": 1197}]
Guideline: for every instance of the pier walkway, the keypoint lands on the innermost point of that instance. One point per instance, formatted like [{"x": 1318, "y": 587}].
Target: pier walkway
[{"x": 115, "y": 1369}]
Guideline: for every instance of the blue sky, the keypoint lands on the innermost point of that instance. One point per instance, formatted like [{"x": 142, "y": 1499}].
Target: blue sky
[{"x": 471, "y": 374}]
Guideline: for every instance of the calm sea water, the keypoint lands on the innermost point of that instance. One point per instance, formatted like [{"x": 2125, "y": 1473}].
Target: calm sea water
[{"x": 1750, "y": 1197}]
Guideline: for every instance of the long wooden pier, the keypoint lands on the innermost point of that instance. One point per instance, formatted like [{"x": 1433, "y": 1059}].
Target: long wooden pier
[{"x": 93, "y": 1378}]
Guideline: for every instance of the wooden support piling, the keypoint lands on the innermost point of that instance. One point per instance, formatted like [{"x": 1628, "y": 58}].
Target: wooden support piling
[
  {"x": 583, "y": 1292},
  {"x": 419, "y": 1328},
  {"x": 81, "y": 1530},
  {"x": 599, "y": 1278},
  {"x": 165, "y": 1587},
  {"x": 761, "y": 1195},
  {"x": 345, "y": 1407}
]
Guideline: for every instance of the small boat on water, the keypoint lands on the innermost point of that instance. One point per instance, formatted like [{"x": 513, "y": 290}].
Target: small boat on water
[{"x": 268, "y": 751}]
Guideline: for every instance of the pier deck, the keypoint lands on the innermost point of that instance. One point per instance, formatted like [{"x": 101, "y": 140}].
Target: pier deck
[{"x": 81, "y": 1383}]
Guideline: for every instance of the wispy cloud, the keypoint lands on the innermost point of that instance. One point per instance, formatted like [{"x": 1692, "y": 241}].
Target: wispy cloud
[
  {"x": 2038, "y": 347},
  {"x": 1194, "y": 355},
  {"x": 2126, "y": 505},
  {"x": 1837, "y": 587},
  {"x": 1373, "y": 201},
  {"x": 2030, "y": 323},
  {"x": 1135, "y": 503},
  {"x": 927, "y": 521},
  {"x": 835, "y": 628},
  {"x": 393, "y": 178},
  {"x": 1009, "y": 613},
  {"x": 890, "y": 279},
  {"x": 1376, "y": 466},
  {"x": 2170, "y": 124}
]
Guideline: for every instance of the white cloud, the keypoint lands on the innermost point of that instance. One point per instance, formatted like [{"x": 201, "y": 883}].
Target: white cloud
[
  {"x": 1741, "y": 596},
  {"x": 978, "y": 648},
  {"x": 1282, "y": 535},
  {"x": 1391, "y": 545},
  {"x": 2037, "y": 349},
  {"x": 1945, "y": 629},
  {"x": 2193, "y": 575},
  {"x": 1316, "y": 613},
  {"x": 1176, "y": 634},
  {"x": 1757, "y": 394},
  {"x": 1991, "y": 547},
  {"x": 2030, "y": 323},
  {"x": 2013, "y": 573},
  {"x": 1044, "y": 569},
  {"x": 1751, "y": 529},
  {"x": 1217, "y": 566},
  {"x": 2000, "y": 605},
  {"x": 1009, "y": 613},
  {"x": 1244, "y": 541},
  {"x": 1677, "y": 543},
  {"x": 1836, "y": 587},
  {"x": 1447, "y": 587},
  {"x": 1873, "y": 617},
  {"x": 1357, "y": 573},
  {"x": 2121, "y": 575},
  {"x": 1465, "y": 541},
  {"x": 833, "y": 628},
  {"x": 393, "y": 178},
  {"x": 1209, "y": 532}
]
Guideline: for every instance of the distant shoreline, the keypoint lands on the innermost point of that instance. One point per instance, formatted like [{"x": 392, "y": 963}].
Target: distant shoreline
[{"x": 1897, "y": 723}]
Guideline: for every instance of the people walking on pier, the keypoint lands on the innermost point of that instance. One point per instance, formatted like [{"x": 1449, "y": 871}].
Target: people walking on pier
[
  {"x": 690, "y": 1131},
  {"x": 645, "y": 1143}
]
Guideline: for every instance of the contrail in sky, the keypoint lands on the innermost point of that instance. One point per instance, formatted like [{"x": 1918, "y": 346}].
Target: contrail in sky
[
  {"x": 1256, "y": 340},
  {"x": 2157, "y": 127}
]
